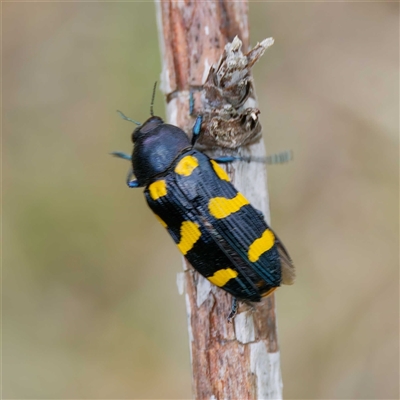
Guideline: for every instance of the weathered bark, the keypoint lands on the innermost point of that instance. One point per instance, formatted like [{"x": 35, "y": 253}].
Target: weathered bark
[{"x": 239, "y": 360}]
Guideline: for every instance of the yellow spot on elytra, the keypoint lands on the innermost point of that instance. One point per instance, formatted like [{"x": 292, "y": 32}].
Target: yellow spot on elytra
[
  {"x": 219, "y": 171},
  {"x": 261, "y": 245},
  {"x": 222, "y": 277},
  {"x": 221, "y": 207},
  {"x": 162, "y": 222},
  {"x": 186, "y": 165},
  {"x": 190, "y": 234},
  {"x": 158, "y": 189}
]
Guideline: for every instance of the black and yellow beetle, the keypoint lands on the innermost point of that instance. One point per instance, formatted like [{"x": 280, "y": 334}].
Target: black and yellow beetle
[{"x": 214, "y": 226}]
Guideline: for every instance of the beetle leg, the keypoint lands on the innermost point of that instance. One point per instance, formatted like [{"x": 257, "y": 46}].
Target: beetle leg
[
  {"x": 191, "y": 103},
  {"x": 280, "y": 158},
  {"x": 277, "y": 158},
  {"x": 234, "y": 308},
  {"x": 132, "y": 183},
  {"x": 196, "y": 129},
  {"x": 226, "y": 159},
  {"x": 120, "y": 154}
]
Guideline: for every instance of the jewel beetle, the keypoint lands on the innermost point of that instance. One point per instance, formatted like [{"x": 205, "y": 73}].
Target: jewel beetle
[{"x": 214, "y": 226}]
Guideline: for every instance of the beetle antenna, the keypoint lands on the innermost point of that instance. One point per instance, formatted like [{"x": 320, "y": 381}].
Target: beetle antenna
[{"x": 152, "y": 99}]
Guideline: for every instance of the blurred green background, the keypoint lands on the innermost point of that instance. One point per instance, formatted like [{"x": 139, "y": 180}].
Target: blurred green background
[{"x": 90, "y": 304}]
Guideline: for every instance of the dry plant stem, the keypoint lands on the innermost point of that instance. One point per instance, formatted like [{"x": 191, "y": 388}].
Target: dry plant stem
[{"x": 239, "y": 360}]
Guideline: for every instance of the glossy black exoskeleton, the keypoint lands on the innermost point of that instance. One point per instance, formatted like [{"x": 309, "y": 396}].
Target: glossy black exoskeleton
[{"x": 214, "y": 226}]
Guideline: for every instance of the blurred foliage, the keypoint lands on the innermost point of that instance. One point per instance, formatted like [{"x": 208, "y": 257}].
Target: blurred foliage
[{"x": 90, "y": 305}]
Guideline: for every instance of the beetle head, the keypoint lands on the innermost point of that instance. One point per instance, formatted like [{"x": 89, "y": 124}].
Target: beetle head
[{"x": 156, "y": 146}]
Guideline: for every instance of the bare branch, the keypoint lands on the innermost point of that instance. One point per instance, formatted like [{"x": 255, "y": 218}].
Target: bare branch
[{"x": 201, "y": 54}]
